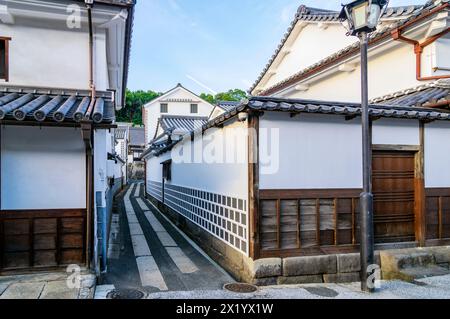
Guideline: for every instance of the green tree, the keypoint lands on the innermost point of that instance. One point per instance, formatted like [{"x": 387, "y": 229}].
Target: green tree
[
  {"x": 135, "y": 100},
  {"x": 208, "y": 98},
  {"x": 230, "y": 95}
]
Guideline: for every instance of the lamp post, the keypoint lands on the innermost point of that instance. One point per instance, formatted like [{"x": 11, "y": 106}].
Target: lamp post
[{"x": 360, "y": 18}]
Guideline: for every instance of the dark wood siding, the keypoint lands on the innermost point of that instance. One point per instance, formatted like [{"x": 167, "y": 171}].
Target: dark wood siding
[
  {"x": 42, "y": 239},
  {"x": 437, "y": 215},
  {"x": 303, "y": 222}
]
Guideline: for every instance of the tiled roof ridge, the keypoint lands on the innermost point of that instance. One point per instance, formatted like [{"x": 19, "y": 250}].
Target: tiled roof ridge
[
  {"x": 442, "y": 83},
  {"x": 186, "y": 117},
  {"x": 261, "y": 104},
  {"x": 305, "y": 13},
  {"x": 379, "y": 34}
]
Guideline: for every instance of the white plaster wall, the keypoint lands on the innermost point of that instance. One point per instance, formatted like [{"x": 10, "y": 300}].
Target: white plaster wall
[
  {"x": 42, "y": 168},
  {"x": 315, "y": 152},
  {"x": 152, "y": 109},
  {"x": 221, "y": 178},
  {"x": 49, "y": 54},
  {"x": 386, "y": 75},
  {"x": 437, "y": 154},
  {"x": 396, "y": 132},
  {"x": 311, "y": 45},
  {"x": 46, "y": 57}
]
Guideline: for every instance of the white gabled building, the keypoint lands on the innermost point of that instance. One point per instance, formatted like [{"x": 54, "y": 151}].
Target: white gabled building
[
  {"x": 292, "y": 186},
  {"x": 178, "y": 101},
  {"x": 316, "y": 56},
  {"x": 64, "y": 67}
]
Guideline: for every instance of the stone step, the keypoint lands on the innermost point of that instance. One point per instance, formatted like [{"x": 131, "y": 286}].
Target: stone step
[
  {"x": 397, "y": 260},
  {"x": 412, "y": 274},
  {"x": 412, "y": 264}
]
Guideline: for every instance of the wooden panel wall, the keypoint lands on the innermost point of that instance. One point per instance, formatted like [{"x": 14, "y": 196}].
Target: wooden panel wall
[
  {"x": 42, "y": 239},
  {"x": 302, "y": 222},
  {"x": 437, "y": 214}
]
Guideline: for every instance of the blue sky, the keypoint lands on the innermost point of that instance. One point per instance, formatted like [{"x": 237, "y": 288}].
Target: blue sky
[{"x": 210, "y": 44}]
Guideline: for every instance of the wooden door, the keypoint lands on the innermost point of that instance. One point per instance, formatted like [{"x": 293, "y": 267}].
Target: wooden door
[
  {"x": 32, "y": 240},
  {"x": 393, "y": 189}
]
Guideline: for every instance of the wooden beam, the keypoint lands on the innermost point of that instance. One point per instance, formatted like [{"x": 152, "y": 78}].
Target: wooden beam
[
  {"x": 308, "y": 193},
  {"x": 335, "y": 208},
  {"x": 318, "y": 221},
  {"x": 278, "y": 223},
  {"x": 440, "y": 218},
  {"x": 253, "y": 185},
  {"x": 393, "y": 147},
  {"x": 419, "y": 189}
]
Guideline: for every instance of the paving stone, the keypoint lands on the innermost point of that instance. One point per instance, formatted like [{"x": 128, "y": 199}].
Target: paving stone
[
  {"x": 102, "y": 291},
  {"x": 298, "y": 280},
  {"x": 88, "y": 281},
  {"x": 3, "y": 288},
  {"x": 23, "y": 291},
  {"x": 314, "y": 265},
  {"x": 342, "y": 278},
  {"x": 58, "y": 290}
]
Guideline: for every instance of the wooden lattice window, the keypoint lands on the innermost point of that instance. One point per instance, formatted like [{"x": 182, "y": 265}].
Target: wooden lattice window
[{"x": 4, "y": 58}]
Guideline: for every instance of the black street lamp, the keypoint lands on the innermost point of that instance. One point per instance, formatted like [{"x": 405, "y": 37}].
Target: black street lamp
[{"x": 361, "y": 17}]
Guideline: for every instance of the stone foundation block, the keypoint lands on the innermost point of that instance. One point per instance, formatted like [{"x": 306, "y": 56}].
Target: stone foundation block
[
  {"x": 265, "y": 268},
  {"x": 261, "y": 282},
  {"x": 314, "y": 265},
  {"x": 342, "y": 278},
  {"x": 441, "y": 254},
  {"x": 347, "y": 263},
  {"x": 299, "y": 280}
]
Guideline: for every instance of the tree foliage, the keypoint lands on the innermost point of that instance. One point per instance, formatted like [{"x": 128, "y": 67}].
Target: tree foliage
[
  {"x": 230, "y": 95},
  {"x": 135, "y": 100}
]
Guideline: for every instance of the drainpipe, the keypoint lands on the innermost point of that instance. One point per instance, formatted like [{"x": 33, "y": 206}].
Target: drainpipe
[
  {"x": 89, "y": 4},
  {"x": 88, "y": 137},
  {"x": 418, "y": 50}
]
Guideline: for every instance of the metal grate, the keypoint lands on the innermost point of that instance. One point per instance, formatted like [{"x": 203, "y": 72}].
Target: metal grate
[{"x": 126, "y": 294}]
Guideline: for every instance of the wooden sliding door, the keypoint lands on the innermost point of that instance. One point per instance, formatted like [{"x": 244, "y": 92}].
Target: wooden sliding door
[{"x": 393, "y": 189}]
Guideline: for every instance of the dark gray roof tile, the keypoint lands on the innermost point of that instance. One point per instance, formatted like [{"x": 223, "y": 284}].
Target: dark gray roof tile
[{"x": 59, "y": 107}]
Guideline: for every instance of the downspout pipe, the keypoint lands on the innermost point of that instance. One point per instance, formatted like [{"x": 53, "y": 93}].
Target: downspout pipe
[
  {"x": 418, "y": 50},
  {"x": 91, "y": 61},
  {"x": 88, "y": 137}
]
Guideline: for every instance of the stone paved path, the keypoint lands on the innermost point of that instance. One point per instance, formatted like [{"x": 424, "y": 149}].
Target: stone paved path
[
  {"x": 46, "y": 286},
  {"x": 150, "y": 254}
]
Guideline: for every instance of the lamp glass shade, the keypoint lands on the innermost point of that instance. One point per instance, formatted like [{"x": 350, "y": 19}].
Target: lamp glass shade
[
  {"x": 374, "y": 16},
  {"x": 359, "y": 15}
]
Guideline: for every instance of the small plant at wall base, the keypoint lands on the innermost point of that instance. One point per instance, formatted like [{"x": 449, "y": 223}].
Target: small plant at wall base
[{"x": 132, "y": 112}]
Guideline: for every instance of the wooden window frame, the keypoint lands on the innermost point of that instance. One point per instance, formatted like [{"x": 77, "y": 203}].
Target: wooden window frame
[
  {"x": 194, "y": 108},
  {"x": 6, "y": 40},
  {"x": 167, "y": 170},
  {"x": 164, "y": 108}
]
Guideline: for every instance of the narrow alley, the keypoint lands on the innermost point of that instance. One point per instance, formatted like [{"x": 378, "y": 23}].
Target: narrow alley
[{"x": 149, "y": 254}]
